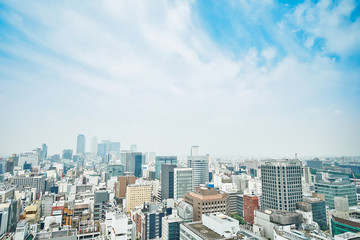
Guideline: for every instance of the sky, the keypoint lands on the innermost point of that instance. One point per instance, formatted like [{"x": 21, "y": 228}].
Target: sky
[{"x": 239, "y": 77}]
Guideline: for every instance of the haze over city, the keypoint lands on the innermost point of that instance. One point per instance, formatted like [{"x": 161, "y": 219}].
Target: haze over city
[{"x": 261, "y": 78}]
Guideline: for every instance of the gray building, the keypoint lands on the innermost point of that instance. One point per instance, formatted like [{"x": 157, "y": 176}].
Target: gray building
[
  {"x": 182, "y": 182},
  {"x": 281, "y": 184},
  {"x": 115, "y": 170},
  {"x": 159, "y": 160},
  {"x": 101, "y": 201},
  {"x": 67, "y": 154},
  {"x": 107, "y": 146},
  {"x": 46, "y": 204},
  {"x": 200, "y": 169},
  {"x": 167, "y": 181},
  {"x": 80, "y": 146},
  {"x": 315, "y": 163},
  {"x": 240, "y": 204},
  {"x": 34, "y": 181}
]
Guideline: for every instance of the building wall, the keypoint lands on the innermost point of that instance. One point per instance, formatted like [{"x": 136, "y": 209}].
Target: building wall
[
  {"x": 136, "y": 195},
  {"x": 159, "y": 160},
  {"x": 182, "y": 182},
  {"x": 121, "y": 185},
  {"x": 250, "y": 204},
  {"x": 167, "y": 181},
  {"x": 200, "y": 168},
  {"x": 331, "y": 190}
]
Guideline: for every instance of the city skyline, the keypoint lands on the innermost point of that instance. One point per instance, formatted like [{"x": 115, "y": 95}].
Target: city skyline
[{"x": 236, "y": 78}]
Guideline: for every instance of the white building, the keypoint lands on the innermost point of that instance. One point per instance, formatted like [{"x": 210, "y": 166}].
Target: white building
[
  {"x": 170, "y": 227},
  {"x": 22, "y": 230},
  {"x": 182, "y": 182},
  {"x": 28, "y": 157},
  {"x": 119, "y": 226}
]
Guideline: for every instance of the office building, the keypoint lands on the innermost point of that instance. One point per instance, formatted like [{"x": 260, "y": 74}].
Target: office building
[
  {"x": 46, "y": 204},
  {"x": 80, "y": 144},
  {"x": 121, "y": 185},
  {"x": 171, "y": 227},
  {"x": 336, "y": 189},
  {"x": 159, "y": 160},
  {"x": 30, "y": 157},
  {"x": 94, "y": 145},
  {"x": 200, "y": 169},
  {"x": 137, "y": 194},
  {"x": 182, "y": 182},
  {"x": 33, "y": 181},
  {"x": 115, "y": 170},
  {"x": 137, "y": 158},
  {"x": 281, "y": 184},
  {"x": 6, "y": 192},
  {"x": 101, "y": 202},
  {"x": 67, "y": 154},
  {"x": 44, "y": 151},
  {"x": 133, "y": 147},
  {"x": 206, "y": 200},
  {"x": 315, "y": 163},
  {"x": 119, "y": 226},
  {"x": 167, "y": 181},
  {"x": 250, "y": 204},
  {"x": 314, "y": 209},
  {"x": 195, "y": 151},
  {"x": 149, "y": 219},
  {"x": 240, "y": 205},
  {"x": 22, "y": 230},
  {"x": 32, "y": 213},
  {"x": 107, "y": 146}
]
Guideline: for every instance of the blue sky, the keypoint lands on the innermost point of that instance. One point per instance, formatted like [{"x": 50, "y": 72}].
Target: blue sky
[{"x": 251, "y": 78}]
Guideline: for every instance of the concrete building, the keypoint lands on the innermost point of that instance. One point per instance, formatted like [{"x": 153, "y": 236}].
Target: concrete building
[
  {"x": 121, "y": 185},
  {"x": 213, "y": 226},
  {"x": 67, "y": 154},
  {"x": 159, "y": 160},
  {"x": 30, "y": 157},
  {"x": 185, "y": 211},
  {"x": 315, "y": 163},
  {"x": 171, "y": 227},
  {"x": 200, "y": 169},
  {"x": 137, "y": 194},
  {"x": 206, "y": 200},
  {"x": 337, "y": 188},
  {"x": 119, "y": 226},
  {"x": 101, "y": 202},
  {"x": 265, "y": 221},
  {"x": 32, "y": 213},
  {"x": 46, "y": 204},
  {"x": 167, "y": 181},
  {"x": 6, "y": 192},
  {"x": 182, "y": 182},
  {"x": 250, "y": 204},
  {"x": 31, "y": 180},
  {"x": 317, "y": 209},
  {"x": 240, "y": 205},
  {"x": 281, "y": 184},
  {"x": 22, "y": 230}
]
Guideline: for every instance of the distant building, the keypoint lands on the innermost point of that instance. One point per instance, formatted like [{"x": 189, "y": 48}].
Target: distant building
[
  {"x": 159, "y": 160},
  {"x": 67, "y": 154},
  {"x": 195, "y": 151},
  {"x": 315, "y": 163},
  {"x": 80, "y": 146},
  {"x": 182, "y": 182},
  {"x": 44, "y": 151},
  {"x": 33, "y": 181},
  {"x": 115, "y": 170},
  {"x": 200, "y": 169},
  {"x": 107, "y": 146},
  {"x": 167, "y": 181},
  {"x": 281, "y": 184},
  {"x": 30, "y": 157},
  {"x": 206, "y": 200}
]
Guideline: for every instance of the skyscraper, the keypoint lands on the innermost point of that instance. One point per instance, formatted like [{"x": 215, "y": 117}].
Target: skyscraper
[
  {"x": 182, "y": 182},
  {"x": 80, "y": 147},
  {"x": 281, "y": 184},
  {"x": 137, "y": 157},
  {"x": 167, "y": 181},
  {"x": 200, "y": 169},
  {"x": 107, "y": 147},
  {"x": 67, "y": 154},
  {"x": 94, "y": 145},
  {"x": 44, "y": 151},
  {"x": 159, "y": 160},
  {"x": 133, "y": 147}
]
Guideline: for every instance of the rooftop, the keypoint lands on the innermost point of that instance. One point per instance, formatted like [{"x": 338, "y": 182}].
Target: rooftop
[{"x": 202, "y": 231}]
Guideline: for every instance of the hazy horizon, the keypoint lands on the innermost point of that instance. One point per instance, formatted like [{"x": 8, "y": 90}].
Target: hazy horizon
[{"x": 265, "y": 78}]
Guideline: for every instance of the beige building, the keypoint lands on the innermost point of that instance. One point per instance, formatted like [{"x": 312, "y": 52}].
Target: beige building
[
  {"x": 206, "y": 200},
  {"x": 32, "y": 212},
  {"x": 137, "y": 194}
]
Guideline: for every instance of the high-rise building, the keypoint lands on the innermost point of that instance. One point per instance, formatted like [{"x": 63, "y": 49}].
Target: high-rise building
[
  {"x": 159, "y": 160},
  {"x": 107, "y": 147},
  {"x": 30, "y": 157},
  {"x": 281, "y": 184},
  {"x": 101, "y": 200},
  {"x": 133, "y": 148},
  {"x": 115, "y": 170},
  {"x": 182, "y": 182},
  {"x": 167, "y": 181},
  {"x": 80, "y": 146},
  {"x": 137, "y": 158},
  {"x": 67, "y": 154},
  {"x": 195, "y": 151},
  {"x": 137, "y": 194},
  {"x": 250, "y": 204},
  {"x": 206, "y": 200},
  {"x": 94, "y": 145},
  {"x": 44, "y": 151},
  {"x": 200, "y": 169}
]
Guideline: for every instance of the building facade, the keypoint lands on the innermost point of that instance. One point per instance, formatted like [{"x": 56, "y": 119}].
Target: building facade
[
  {"x": 167, "y": 181},
  {"x": 200, "y": 169},
  {"x": 159, "y": 160},
  {"x": 182, "y": 182},
  {"x": 137, "y": 194}
]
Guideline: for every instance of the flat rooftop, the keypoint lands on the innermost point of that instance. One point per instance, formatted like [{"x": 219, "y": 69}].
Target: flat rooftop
[{"x": 204, "y": 232}]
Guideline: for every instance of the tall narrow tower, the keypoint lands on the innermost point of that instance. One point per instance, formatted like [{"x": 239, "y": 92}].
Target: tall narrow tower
[{"x": 80, "y": 147}]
